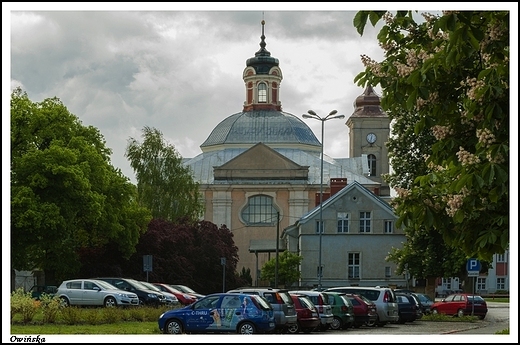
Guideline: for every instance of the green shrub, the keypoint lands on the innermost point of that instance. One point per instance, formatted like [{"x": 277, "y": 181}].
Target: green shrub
[
  {"x": 50, "y": 307},
  {"x": 92, "y": 316},
  {"x": 71, "y": 315},
  {"x": 23, "y": 303},
  {"x": 504, "y": 331},
  {"x": 112, "y": 315}
]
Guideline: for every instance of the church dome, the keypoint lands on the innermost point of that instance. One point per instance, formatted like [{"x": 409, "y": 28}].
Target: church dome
[{"x": 273, "y": 128}]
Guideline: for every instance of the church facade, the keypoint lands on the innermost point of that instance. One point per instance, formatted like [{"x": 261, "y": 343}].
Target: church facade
[{"x": 259, "y": 173}]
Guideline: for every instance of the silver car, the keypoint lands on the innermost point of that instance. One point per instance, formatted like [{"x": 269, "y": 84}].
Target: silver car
[
  {"x": 383, "y": 297},
  {"x": 94, "y": 292}
]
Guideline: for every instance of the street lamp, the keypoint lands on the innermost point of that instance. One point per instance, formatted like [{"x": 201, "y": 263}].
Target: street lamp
[{"x": 313, "y": 115}]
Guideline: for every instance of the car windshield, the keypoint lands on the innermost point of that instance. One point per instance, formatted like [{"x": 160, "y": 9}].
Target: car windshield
[
  {"x": 150, "y": 286},
  {"x": 424, "y": 298},
  {"x": 184, "y": 288},
  {"x": 138, "y": 285},
  {"x": 106, "y": 285}
]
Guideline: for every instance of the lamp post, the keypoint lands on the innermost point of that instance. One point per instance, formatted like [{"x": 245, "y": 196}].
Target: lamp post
[{"x": 312, "y": 115}]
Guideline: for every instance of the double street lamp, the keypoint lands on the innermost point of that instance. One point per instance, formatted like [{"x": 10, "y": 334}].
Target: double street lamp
[{"x": 312, "y": 115}]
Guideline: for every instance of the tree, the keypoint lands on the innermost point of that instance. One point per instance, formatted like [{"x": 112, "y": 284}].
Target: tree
[
  {"x": 65, "y": 194},
  {"x": 288, "y": 268},
  {"x": 188, "y": 253},
  {"x": 452, "y": 73},
  {"x": 164, "y": 184}
]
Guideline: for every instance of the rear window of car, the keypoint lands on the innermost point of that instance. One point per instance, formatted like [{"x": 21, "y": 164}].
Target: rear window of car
[
  {"x": 285, "y": 296},
  {"x": 306, "y": 302},
  {"x": 261, "y": 302}
]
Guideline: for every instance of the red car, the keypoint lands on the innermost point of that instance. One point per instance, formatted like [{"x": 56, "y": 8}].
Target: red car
[
  {"x": 461, "y": 304},
  {"x": 365, "y": 311},
  {"x": 308, "y": 318},
  {"x": 184, "y": 298}
]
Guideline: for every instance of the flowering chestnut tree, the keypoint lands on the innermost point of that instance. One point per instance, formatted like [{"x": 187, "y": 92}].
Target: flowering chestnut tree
[{"x": 446, "y": 78}]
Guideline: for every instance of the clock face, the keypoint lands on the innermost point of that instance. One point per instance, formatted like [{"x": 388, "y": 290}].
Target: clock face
[{"x": 371, "y": 138}]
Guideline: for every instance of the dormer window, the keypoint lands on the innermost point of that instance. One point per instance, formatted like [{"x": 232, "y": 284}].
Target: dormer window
[{"x": 262, "y": 93}]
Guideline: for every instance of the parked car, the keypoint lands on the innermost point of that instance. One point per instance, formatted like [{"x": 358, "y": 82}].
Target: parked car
[
  {"x": 461, "y": 304},
  {"x": 281, "y": 301},
  {"x": 221, "y": 313},
  {"x": 365, "y": 311},
  {"x": 426, "y": 302},
  {"x": 187, "y": 290},
  {"x": 38, "y": 290},
  {"x": 320, "y": 300},
  {"x": 408, "y": 307},
  {"x": 146, "y": 296},
  {"x": 171, "y": 299},
  {"x": 308, "y": 318},
  {"x": 342, "y": 310},
  {"x": 383, "y": 297},
  {"x": 184, "y": 298},
  {"x": 91, "y": 292}
]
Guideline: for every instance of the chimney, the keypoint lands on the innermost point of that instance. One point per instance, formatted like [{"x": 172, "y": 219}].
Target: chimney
[{"x": 337, "y": 184}]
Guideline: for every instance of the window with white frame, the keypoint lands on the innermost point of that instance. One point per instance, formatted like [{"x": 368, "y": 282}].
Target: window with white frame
[
  {"x": 354, "y": 265},
  {"x": 342, "y": 222},
  {"x": 447, "y": 283},
  {"x": 364, "y": 221},
  {"x": 388, "y": 271},
  {"x": 481, "y": 284},
  {"x": 501, "y": 258},
  {"x": 389, "y": 227},
  {"x": 501, "y": 283},
  {"x": 260, "y": 210},
  {"x": 262, "y": 93},
  {"x": 319, "y": 227}
]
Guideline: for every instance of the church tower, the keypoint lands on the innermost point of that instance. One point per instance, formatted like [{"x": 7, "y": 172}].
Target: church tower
[
  {"x": 262, "y": 78},
  {"x": 369, "y": 128}
]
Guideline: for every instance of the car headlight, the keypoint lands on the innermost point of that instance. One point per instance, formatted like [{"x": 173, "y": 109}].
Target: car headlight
[{"x": 152, "y": 295}]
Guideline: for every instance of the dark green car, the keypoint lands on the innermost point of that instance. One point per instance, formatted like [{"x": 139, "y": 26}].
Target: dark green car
[
  {"x": 38, "y": 290},
  {"x": 342, "y": 309}
]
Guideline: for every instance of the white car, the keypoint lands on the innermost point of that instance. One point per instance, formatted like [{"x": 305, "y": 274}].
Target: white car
[{"x": 94, "y": 292}]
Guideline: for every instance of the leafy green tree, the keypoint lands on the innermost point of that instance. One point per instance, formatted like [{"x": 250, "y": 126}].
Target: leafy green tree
[
  {"x": 288, "y": 268},
  {"x": 452, "y": 73},
  {"x": 65, "y": 194},
  {"x": 164, "y": 184}
]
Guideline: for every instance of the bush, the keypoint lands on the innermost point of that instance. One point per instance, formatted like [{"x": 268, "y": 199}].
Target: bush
[
  {"x": 71, "y": 315},
  {"x": 50, "y": 306},
  {"x": 23, "y": 303}
]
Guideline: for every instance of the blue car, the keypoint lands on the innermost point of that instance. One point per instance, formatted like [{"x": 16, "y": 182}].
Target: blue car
[{"x": 221, "y": 313}]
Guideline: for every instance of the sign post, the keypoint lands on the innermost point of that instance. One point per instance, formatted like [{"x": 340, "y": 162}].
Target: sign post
[
  {"x": 223, "y": 263},
  {"x": 147, "y": 264},
  {"x": 473, "y": 268}
]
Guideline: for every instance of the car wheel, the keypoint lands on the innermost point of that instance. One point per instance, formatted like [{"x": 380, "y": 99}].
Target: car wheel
[
  {"x": 141, "y": 303},
  {"x": 246, "y": 328},
  {"x": 110, "y": 302},
  {"x": 64, "y": 302},
  {"x": 482, "y": 317},
  {"x": 373, "y": 322},
  {"x": 460, "y": 313},
  {"x": 294, "y": 328},
  {"x": 173, "y": 327},
  {"x": 337, "y": 323}
]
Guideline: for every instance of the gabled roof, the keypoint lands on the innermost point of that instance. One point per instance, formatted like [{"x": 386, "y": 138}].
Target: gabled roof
[{"x": 355, "y": 185}]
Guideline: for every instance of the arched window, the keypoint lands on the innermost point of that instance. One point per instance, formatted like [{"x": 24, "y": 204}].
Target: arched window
[
  {"x": 262, "y": 93},
  {"x": 371, "y": 165},
  {"x": 260, "y": 211}
]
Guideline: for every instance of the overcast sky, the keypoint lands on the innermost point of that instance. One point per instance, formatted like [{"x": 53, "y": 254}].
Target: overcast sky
[{"x": 180, "y": 71}]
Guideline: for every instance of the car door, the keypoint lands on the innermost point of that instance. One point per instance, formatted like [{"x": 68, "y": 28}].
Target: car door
[
  {"x": 205, "y": 316},
  {"x": 91, "y": 293}
]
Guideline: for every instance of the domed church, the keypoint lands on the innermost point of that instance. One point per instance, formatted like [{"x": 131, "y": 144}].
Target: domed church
[{"x": 260, "y": 172}]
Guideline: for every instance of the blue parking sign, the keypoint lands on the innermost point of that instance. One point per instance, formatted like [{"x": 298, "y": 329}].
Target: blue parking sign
[{"x": 473, "y": 266}]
